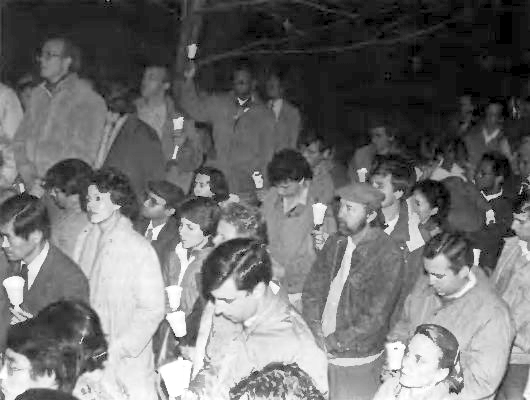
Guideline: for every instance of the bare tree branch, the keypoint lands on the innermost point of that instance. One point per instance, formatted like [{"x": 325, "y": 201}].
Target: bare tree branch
[
  {"x": 227, "y": 6},
  {"x": 326, "y": 9},
  {"x": 332, "y": 49}
]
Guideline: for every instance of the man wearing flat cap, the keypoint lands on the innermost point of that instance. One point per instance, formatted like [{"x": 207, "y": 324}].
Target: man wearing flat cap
[{"x": 351, "y": 291}]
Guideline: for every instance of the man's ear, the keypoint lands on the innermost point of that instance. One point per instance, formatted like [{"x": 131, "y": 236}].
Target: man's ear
[
  {"x": 259, "y": 290},
  {"x": 398, "y": 194},
  {"x": 370, "y": 217},
  {"x": 170, "y": 211},
  {"x": 36, "y": 237}
]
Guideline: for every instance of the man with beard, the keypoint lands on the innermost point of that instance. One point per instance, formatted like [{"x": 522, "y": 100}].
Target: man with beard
[{"x": 351, "y": 292}]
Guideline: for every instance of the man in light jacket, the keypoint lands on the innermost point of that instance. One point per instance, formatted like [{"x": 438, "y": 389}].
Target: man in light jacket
[
  {"x": 460, "y": 298},
  {"x": 65, "y": 117}
]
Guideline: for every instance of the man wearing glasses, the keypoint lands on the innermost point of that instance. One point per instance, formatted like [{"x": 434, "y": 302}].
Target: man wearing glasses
[{"x": 65, "y": 117}]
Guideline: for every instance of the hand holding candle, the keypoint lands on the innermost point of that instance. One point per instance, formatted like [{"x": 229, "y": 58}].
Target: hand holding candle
[
  {"x": 192, "y": 51},
  {"x": 394, "y": 355},
  {"x": 361, "y": 174},
  {"x": 319, "y": 212},
  {"x": 258, "y": 179},
  {"x": 15, "y": 290}
]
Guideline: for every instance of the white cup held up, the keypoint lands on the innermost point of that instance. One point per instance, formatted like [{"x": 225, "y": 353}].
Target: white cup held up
[
  {"x": 14, "y": 286},
  {"x": 176, "y": 376},
  {"x": 394, "y": 355},
  {"x": 258, "y": 179},
  {"x": 177, "y": 321},
  {"x": 174, "y": 293},
  {"x": 319, "y": 212}
]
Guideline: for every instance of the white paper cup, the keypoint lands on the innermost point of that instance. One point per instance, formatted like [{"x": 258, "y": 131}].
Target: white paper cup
[
  {"x": 176, "y": 376},
  {"x": 319, "y": 212},
  {"x": 178, "y": 123},
  {"x": 258, "y": 179},
  {"x": 175, "y": 152},
  {"x": 192, "y": 51},
  {"x": 15, "y": 289},
  {"x": 394, "y": 355},
  {"x": 177, "y": 321},
  {"x": 476, "y": 256},
  {"x": 361, "y": 173},
  {"x": 173, "y": 296}
]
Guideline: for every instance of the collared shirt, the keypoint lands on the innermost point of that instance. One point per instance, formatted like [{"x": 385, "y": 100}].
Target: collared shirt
[
  {"x": 524, "y": 249},
  {"x": 490, "y": 197},
  {"x": 488, "y": 137},
  {"x": 329, "y": 315},
  {"x": 467, "y": 287},
  {"x": 35, "y": 266},
  {"x": 276, "y": 107},
  {"x": 290, "y": 203},
  {"x": 391, "y": 225},
  {"x": 185, "y": 262},
  {"x": 156, "y": 230}
]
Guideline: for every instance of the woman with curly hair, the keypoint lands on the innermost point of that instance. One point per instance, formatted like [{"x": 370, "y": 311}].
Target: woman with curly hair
[
  {"x": 126, "y": 285},
  {"x": 430, "y": 369}
]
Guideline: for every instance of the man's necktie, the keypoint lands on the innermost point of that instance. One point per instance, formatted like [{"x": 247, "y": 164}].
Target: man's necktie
[{"x": 24, "y": 274}]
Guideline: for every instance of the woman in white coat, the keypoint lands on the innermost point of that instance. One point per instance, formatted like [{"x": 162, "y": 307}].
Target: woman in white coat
[{"x": 126, "y": 285}]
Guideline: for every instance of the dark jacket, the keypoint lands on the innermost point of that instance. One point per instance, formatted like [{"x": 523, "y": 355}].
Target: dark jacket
[
  {"x": 137, "y": 152},
  {"x": 59, "y": 278},
  {"x": 412, "y": 260},
  {"x": 167, "y": 239},
  {"x": 368, "y": 298}
]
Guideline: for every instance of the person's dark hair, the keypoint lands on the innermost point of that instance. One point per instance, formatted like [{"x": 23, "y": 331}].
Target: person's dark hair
[
  {"x": 277, "y": 381},
  {"x": 243, "y": 65},
  {"x": 246, "y": 219},
  {"x": 384, "y": 122},
  {"x": 202, "y": 211},
  {"x": 245, "y": 260},
  {"x": 75, "y": 324},
  {"x": 120, "y": 98},
  {"x": 522, "y": 202},
  {"x": 218, "y": 183},
  {"x": 448, "y": 344},
  {"x": 164, "y": 67},
  {"x": 499, "y": 163},
  {"x": 401, "y": 172},
  {"x": 45, "y": 394},
  {"x": 322, "y": 143},
  {"x": 45, "y": 354},
  {"x": 70, "y": 176},
  {"x": 438, "y": 196},
  {"x": 171, "y": 193},
  {"x": 454, "y": 246},
  {"x": 70, "y": 49},
  {"x": 28, "y": 214},
  {"x": 113, "y": 181},
  {"x": 458, "y": 146},
  {"x": 288, "y": 165}
]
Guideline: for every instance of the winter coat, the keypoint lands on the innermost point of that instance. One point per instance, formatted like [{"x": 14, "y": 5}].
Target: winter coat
[
  {"x": 137, "y": 152},
  {"x": 65, "y": 123},
  {"x": 368, "y": 298},
  {"x": 481, "y": 322},
  {"x": 127, "y": 292},
  {"x": 10, "y": 112},
  {"x": 243, "y": 136},
  {"x": 287, "y": 127},
  {"x": 511, "y": 279},
  {"x": 278, "y": 334},
  {"x": 291, "y": 242}
]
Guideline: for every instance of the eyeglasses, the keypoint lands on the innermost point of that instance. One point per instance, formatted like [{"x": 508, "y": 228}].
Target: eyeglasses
[{"x": 46, "y": 55}]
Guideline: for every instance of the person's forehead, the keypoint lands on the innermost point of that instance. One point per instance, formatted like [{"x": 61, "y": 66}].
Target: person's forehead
[
  {"x": 18, "y": 358},
  {"x": 242, "y": 74},
  {"x": 349, "y": 203},
  {"x": 54, "y": 45},
  {"x": 227, "y": 290},
  {"x": 158, "y": 198},
  {"x": 188, "y": 222},
  {"x": 202, "y": 178},
  {"x": 7, "y": 228},
  {"x": 382, "y": 178},
  {"x": 439, "y": 263},
  {"x": 486, "y": 165},
  {"x": 524, "y": 150},
  {"x": 155, "y": 72},
  {"x": 494, "y": 108},
  {"x": 378, "y": 130}
]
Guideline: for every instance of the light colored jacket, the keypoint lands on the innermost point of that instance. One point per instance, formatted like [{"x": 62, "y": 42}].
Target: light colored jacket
[
  {"x": 127, "y": 292},
  {"x": 243, "y": 136},
  {"x": 480, "y": 321},
  {"x": 511, "y": 278},
  {"x": 10, "y": 112},
  {"x": 65, "y": 123},
  {"x": 277, "y": 335}
]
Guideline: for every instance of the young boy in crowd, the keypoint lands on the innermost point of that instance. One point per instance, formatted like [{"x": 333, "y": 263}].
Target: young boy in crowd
[
  {"x": 492, "y": 171},
  {"x": 159, "y": 222},
  {"x": 319, "y": 154}
]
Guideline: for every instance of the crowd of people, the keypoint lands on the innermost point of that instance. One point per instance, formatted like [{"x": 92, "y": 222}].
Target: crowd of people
[{"x": 150, "y": 231}]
